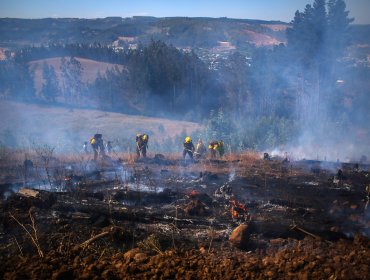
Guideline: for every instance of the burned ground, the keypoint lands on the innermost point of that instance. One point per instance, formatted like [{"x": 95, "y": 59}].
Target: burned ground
[{"x": 161, "y": 218}]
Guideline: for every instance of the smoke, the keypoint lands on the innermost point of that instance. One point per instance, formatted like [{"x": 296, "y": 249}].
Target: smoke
[
  {"x": 232, "y": 174},
  {"x": 330, "y": 129},
  {"x": 32, "y": 126}
]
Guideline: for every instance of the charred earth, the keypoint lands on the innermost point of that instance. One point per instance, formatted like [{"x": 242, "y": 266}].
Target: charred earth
[{"x": 161, "y": 218}]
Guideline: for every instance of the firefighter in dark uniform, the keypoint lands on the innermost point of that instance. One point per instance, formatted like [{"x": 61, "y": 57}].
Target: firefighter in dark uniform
[
  {"x": 188, "y": 148},
  {"x": 97, "y": 145}
]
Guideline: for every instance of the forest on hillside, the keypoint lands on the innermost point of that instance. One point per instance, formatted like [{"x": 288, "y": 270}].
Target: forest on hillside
[
  {"x": 178, "y": 31},
  {"x": 255, "y": 98}
]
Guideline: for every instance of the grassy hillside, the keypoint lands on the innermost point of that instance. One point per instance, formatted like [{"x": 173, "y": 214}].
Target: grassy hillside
[
  {"x": 90, "y": 69},
  {"x": 23, "y": 125}
]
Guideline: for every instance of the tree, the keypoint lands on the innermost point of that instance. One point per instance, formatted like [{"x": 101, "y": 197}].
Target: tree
[
  {"x": 50, "y": 87},
  {"x": 338, "y": 28},
  {"x": 111, "y": 91},
  {"x": 16, "y": 81},
  {"x": 307, "y": 36},
  {"x": 316, "y": 40},
  {"x": 73, "y": 87},
  {"x": 235, "y": 75},
  {"x": 167, "y": 78},
  {"x": 219, "y": 126}
]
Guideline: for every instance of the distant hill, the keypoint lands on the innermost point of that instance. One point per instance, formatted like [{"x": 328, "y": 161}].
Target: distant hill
[
  {"x": 212, "y": 34},
  {"x": 126, "y": 32},
  {"x": 215, "y": 35}
]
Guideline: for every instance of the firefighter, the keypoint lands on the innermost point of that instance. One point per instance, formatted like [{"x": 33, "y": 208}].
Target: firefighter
[
  {"x": 216, "y": 147},
  {"x": 188, "y": 148},
  {"x": 97, "y": 145},
  {"x": 84, "y": 147},
  {"x": 200, "y": 150},
  {"x": 141, "y": 144},
  {"x": 109, "y": 147}
]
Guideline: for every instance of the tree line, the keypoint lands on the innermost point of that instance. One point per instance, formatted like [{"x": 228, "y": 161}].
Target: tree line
[{"x": 153, "y": 76}]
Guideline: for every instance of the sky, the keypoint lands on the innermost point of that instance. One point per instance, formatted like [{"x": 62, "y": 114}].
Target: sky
[{"x": 282, "y": 10}]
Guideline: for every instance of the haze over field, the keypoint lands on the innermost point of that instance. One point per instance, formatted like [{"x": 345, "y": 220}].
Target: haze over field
[
  {"x": 266, "y": 85},
  {"x": 29, "y": 126}
]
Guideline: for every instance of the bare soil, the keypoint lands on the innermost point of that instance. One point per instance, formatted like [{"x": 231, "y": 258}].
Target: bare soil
[{"x": 161, "y": 218}]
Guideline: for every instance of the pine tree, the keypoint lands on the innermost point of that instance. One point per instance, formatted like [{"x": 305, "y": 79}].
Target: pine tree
[
  {"x": 338, "y": 27},
  {"x": 235, "y": 78},
  {"x": 21, "y": 82},
  {"x": 50, "y": 88},
  {"x": 73, "y": 86}
]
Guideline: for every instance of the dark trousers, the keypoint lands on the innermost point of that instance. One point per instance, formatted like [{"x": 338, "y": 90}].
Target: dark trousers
[
  {"x": 141, "y": 150},
  {"x": 190, "y": 153},
  {"x": 213, "y": 154},
  {"x": 98, "y": 149},
  {"x": 95, "y": 153}
]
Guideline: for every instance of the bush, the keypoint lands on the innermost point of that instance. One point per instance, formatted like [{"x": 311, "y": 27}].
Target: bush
[{"x": 258, "y": 133}]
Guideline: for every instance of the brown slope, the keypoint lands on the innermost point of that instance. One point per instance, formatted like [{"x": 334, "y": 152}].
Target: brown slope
[{"x": 91, "y": 68}]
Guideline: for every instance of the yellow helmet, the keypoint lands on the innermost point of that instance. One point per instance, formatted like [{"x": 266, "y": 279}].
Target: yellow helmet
[
  {"x": 145, "y": 137},
  {"x": 187, "y": 139}
]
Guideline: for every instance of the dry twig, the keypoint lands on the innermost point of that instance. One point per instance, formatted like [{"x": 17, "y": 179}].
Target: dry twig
[
  {"x": 94, "y": 238},
  {"x": 19, "y": 247},
  {"x": 305, "y": 232},
  {"x": 295, "y": 227},
  {"x": 34, "y": 237},
  {"x": 151, "y": 243}
]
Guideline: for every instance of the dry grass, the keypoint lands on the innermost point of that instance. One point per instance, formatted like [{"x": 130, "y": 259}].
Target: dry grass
[
  {"x": 91, "y": 68},
  {"x": 244, "y": 164},
  {"x": 276, "y": 27},
  {"x": 13, "y": 157},
  {"x": 243, "y": 159},
  {"x": 261, "y": 39},
  {"x": 68, "y": 129}
]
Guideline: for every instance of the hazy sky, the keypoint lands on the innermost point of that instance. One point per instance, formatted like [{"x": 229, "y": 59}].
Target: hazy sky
[{"x": 246, "y": 9}]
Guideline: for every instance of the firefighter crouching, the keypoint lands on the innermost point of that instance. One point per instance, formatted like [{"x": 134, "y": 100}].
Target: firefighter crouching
[
  {"x": 97, "y": 145},
  {"x": 141, "y": 145},
  {"x": 201, "y": 150},
  {"x": 216, "y": 147},
  {"x": 188, "y": 148}
]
